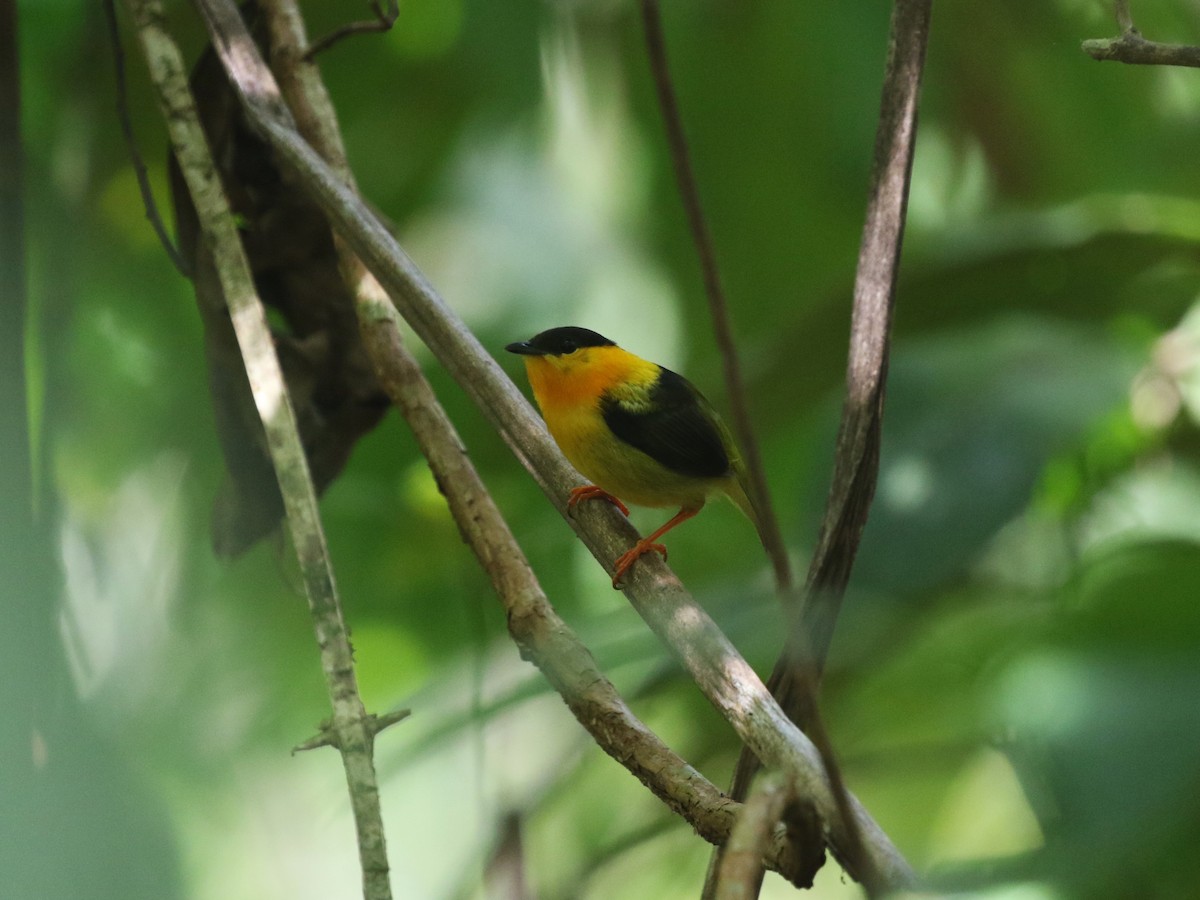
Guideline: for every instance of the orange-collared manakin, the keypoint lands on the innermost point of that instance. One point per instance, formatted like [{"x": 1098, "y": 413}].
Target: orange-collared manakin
[{"x": 643, "y": 434}]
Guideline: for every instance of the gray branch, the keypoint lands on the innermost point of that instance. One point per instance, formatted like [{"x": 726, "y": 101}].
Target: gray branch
[{"x": 1133, "y": 49}]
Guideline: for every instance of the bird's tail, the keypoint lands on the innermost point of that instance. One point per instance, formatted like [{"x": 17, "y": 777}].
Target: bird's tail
[{"x": 737, "y": 489}]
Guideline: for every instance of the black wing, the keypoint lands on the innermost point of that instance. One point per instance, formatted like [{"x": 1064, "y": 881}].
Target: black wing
[{"x": 676, "y": 428}]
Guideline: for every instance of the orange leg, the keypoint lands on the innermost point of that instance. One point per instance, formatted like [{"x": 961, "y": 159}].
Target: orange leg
[
  {"x": 646, "y": 544},
  {"x": 594, "y": 492}
]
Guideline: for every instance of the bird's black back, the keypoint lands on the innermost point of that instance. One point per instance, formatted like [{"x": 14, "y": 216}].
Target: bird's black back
[{"x": 675, "y": 428}]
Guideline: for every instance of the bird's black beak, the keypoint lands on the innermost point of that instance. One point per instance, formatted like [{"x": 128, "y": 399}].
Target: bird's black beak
[{"x": 524, "y": 348}]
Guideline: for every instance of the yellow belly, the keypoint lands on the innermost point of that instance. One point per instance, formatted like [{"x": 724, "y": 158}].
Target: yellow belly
[
  {"x": 568, "y": 390},
  {"x": 622, "y": 470}
]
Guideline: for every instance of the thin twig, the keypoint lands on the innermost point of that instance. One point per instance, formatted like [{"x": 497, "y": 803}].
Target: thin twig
[
  {"x": 760, "y": 494},
  {"x": 725, "y": 678},
  {"x": 1124, "y": 17},
  {"x": 355, "y": 737},
  {"x": 328, "y": 736},
  {"x": 135, "y": 155},
  {"x": 383, "y": 21}
]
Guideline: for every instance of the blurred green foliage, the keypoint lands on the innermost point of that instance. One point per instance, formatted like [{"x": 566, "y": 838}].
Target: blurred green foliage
[{"x": 1014, "y": 679}]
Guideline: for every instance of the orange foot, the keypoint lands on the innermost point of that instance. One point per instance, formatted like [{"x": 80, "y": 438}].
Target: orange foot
[
  {"x": 594, "y": 492},
  {"x": 627, "y": 559}
]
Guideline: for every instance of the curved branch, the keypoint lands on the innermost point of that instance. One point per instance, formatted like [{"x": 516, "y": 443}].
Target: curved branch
[
  {"x": 543, "y": 637},
  {"x": 725, "y": 678},
  {"x": 384, "y": 19}
]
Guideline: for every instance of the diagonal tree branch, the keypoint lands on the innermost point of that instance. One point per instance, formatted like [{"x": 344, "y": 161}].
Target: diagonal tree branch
[
  {"x": 352, "y": 729},
  {"x": 725, "y": 678},
  {"x": 542, "y": 636}
]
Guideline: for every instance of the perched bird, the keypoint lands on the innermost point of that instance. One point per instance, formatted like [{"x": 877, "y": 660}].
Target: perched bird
[{"x": 643, "y": 434}]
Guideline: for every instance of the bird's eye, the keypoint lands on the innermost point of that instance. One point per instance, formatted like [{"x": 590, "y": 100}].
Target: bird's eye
[{"x": 569, "y": 347}]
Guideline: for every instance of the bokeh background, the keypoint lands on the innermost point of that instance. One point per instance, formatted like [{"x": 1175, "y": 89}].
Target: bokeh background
[{"x": 1015, "y": 684}]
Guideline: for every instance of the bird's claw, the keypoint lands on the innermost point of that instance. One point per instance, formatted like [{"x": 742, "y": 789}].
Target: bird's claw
[
  {"x": 627, "y": 559},
  {"x": 594, "y": 492}
]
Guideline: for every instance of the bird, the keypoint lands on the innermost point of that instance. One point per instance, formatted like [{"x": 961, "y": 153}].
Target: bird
[{"x": 639, "y": 432}]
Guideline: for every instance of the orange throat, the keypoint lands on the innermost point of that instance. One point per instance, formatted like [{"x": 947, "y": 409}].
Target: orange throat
[{"x": 564, "y": 386}]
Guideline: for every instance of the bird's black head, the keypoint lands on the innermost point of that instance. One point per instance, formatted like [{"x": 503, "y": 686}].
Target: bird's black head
[{"x": 559, "y": 342}]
